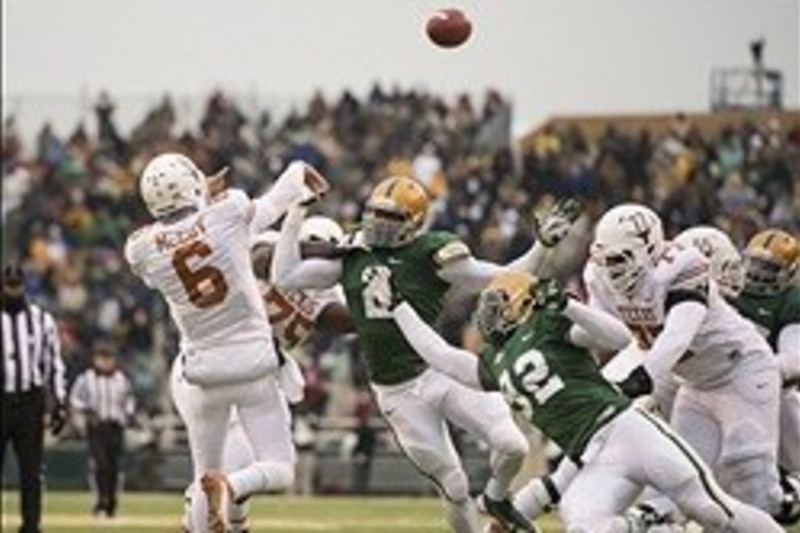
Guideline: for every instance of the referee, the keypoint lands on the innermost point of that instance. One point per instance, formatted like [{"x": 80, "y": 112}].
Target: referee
[
  {"x": 33, "y": 379},
  {"x": 103, "y": 394}
]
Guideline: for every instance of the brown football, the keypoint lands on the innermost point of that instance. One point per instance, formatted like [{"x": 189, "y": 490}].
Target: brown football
[{"x": 448, "y": 28}]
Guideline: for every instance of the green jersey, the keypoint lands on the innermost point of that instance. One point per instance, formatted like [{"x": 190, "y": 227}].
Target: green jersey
[
  {"x": 557, "y": 384},
  {"x": 772, "y": 313},
  {"x": 390, "y": 359}
]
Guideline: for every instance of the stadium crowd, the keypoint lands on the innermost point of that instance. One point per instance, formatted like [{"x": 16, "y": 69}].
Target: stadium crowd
[{"x": 69, "y": 203}]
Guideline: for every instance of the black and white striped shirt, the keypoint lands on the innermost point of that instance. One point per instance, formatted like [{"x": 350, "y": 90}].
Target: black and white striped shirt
[
  {"x": 32, "y": 352},
  {"x": 107, "y": 397}
]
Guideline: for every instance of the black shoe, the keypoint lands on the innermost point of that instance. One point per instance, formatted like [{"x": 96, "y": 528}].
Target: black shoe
[
  {"x": 789, "y": 514},
  {"x": 504, "y": 511}
]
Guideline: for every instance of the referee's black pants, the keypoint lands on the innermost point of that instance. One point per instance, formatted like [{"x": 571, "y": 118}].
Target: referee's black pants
[
  {"x": 23, "y": 425},
  {"x": 105, "y": 449}
]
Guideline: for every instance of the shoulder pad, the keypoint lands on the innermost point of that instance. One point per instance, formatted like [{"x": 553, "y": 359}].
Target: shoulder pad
[
  {"x": 683, "y": 268},
  {"x": 235, "y": 199},
  {"x": 134, "y": 243},
  {"x": 140, "y": 232},
  {"x": 451, "y": 251}
]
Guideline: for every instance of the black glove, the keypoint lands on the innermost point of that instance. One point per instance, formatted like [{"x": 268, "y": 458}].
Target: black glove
[
  {"x": 58, "y": 419},
  {"x": 638, "y": 383},
  {"x": 548, "y": 294},
  {"x": 551, "y": 227}
]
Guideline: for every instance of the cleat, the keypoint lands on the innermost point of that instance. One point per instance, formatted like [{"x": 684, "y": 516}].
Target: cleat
[
  {"x": 218, "y": 493},
  {"x": 789, "y": 514},
  {"x": 643, "y": 518},
  {"x": 506, "y": 514}
]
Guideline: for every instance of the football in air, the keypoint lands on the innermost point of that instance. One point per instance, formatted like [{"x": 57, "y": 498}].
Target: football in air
[{"x": 449, "y": 28}]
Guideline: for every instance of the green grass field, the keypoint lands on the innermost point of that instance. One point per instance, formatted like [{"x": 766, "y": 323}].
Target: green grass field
[{"x": 68, "y": 512}]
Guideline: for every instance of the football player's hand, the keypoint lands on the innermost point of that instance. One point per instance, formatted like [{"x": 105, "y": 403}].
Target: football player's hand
[
  {"x": 217, "y": 182},
  {"x": 58, "y": 419},
  {"x": 551, "y": 227},
  {"x": 638, "y": 383},
  {"x": 548, "y": 294},
  {"x": 315, "y": 186}
]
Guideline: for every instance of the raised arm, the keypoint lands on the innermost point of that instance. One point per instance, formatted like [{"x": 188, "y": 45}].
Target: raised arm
[
  {"x": 298, "y": 183},
  {"x": 289, "y": 270},
  {"x": 459, "y": 364},
  {"x": 473, "y": 275}
]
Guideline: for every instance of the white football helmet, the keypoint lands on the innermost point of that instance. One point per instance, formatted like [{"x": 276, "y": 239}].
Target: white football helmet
[
  {"x": 321, "y": 229},
  {"x": 628, "y": 241},
  {"x": 727, "y": 266},
  {"x": 171, "y": 182}
]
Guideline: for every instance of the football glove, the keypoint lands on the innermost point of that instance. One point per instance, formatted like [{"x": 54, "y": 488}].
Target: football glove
[
  {"x": 548, "y": 294},
  {"x": 551, "y": 227},
  {"x": 638, "y": 383}
]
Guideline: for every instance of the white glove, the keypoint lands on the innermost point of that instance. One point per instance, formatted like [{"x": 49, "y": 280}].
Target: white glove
[{"x": 551, "y": 227}]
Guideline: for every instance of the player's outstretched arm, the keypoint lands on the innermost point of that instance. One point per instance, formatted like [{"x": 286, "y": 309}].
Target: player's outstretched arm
[
  {"x": 290, "y": 188},
  {"x": 596, "y": 329},
  {"x": 473, "y": 275},
  {"x": 459, "y": 364},
  {"x": 289, "y": 270}
]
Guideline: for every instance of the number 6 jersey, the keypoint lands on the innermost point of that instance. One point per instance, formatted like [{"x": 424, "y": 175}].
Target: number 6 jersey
[{"x": 201, "y": 264}]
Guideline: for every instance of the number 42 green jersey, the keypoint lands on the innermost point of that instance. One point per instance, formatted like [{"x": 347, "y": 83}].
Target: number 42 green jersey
[{"x": 555, "y": 383}]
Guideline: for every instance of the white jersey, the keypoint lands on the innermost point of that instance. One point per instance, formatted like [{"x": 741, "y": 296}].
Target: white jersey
[
  {"x": 724, "y": 336},
  {"x": 293, "y": 313},
  {"x": 201, "y": 265}
]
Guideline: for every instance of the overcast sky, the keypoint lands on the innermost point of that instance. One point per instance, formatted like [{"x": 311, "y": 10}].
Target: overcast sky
[{"x": 550, "y": 56}]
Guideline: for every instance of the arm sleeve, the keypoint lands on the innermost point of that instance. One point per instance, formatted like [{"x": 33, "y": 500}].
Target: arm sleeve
[
  {"x": 680, "y": 326},
  {"x": 288, "y": 189},
  {"x": 789, "y": 351},
  {"x": 531, "y": 261},
  {"x": 594, "y": 328},
  {"x": 289, "y": 270},
  {"x": 459, "y": 364},
  {"x": 55, "y": 378},
  {"x": 469, "y": 274},
  {"x": 473, "y": 275}
]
